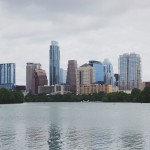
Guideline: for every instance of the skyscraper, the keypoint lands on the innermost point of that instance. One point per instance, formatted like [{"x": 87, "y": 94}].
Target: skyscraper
[
  {"x": 130, "y": 71},
  {"x": 108, "y": 73},
  {"x": 8, "y": 76},
  {"x": 35, "y": 76},
  {"x": 62, "y": 76},
  {"x": 54, "y": 63},
  {"x": 85, "y": 75},
  {"x": 99, "y": 70},
  {"x": 40, "y": 79},
  {"x": 30, "y": 76},
  {"x": 72, "y": 75}
]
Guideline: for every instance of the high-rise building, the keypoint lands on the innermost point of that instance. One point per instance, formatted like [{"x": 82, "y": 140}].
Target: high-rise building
[
  {"x": 129, "y": 71},
  {"x": 62, "y": 76},
  {"x": 54, "y": 63},
  {"x": 40, "y": 79},
  {"x": 35, "y": 77},
  {"x": 72, "y": 75},
  {"x": 85, "y": 75},
  {"x": 99, "y": 70},
  {"x": 116, "y": 78},
  {"x": 108, "y": 73},
  {"x": 8, "y": 76}
]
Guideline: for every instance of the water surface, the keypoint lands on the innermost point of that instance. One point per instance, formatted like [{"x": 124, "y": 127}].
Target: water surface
[{"x": 75, "y": 126}]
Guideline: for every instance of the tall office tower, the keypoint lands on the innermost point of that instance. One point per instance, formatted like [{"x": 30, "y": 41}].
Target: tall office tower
[
  {"x": 8, "y": 76},
  {"x": 54, "y": 63},
  {"x": 72, "y": 75},
  {"x": 62, "y": 76},
  {"x": 99, "y": 69},
  {"x": 85, "y": 75},
  {"x": 116, "y": 78},
  {"x": 40, "y": 79},
  {"x": 30, "y": 76},
  {"x": 108, "y": 73},
  {"x": 130, "y": 71}
]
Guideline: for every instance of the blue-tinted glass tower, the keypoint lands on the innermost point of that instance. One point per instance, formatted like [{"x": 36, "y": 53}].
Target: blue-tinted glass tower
[
  {"x": 99, "y": 70},
  {"x": 8, "y": 76},
  {"x": 108, "y": 73},
  {"x": 54, "y": 63}
]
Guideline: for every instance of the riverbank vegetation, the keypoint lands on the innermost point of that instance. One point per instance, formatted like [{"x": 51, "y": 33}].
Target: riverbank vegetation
[
  {"x": 135, "y": 96},
  {"x": 7, "y": 96},
  {"x": 10, "y": 97}
]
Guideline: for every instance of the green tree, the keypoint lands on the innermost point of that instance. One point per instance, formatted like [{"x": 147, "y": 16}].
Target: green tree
[
  {"x": 145, "y": 95},
  {"x": 135, "y": 95}
]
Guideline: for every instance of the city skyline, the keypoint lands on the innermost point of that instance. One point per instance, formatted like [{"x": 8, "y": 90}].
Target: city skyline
[{"x": 105, "y": 29}]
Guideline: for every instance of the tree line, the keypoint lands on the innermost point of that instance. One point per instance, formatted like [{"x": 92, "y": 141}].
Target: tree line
[
  {"x": 8, "y": 96},
  {"x": 135, "y": 96}
]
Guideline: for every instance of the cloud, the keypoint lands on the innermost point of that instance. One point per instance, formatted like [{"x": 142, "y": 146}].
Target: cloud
[{"x": 84, "y": 29}]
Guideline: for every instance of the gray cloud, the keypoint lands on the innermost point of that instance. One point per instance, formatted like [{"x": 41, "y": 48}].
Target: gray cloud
[{"x": 84, "y": 29}]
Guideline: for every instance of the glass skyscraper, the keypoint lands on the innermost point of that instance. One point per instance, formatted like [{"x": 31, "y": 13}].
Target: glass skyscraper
[
  {"x": 99, "y": 70},
  {"x": 8, "y": 76},
  {"x": 54, "y": 63},
  {"x": 130, "y": 71},
  {"x": 108, "y": 73},
  {"x": 62, "y": 76}
]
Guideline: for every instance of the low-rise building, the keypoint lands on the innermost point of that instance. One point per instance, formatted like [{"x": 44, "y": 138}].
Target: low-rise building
[
  {"x": 54, "y": 89},
  {"x": 143, "y": 85},
  {"x": 93, "y": 88}
]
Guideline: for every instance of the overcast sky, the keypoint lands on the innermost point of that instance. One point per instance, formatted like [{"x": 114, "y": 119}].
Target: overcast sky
[{"x": 85, "y": 30}]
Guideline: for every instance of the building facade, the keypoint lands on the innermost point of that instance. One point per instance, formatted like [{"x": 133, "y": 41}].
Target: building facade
[
  {"x": 85, "y": 75},
  {"x": 35, "y": 76},
  {"x": 143, "y": 85},
  {"x": 93, "y": 88},
  {"x": 72, "y": 75},
  {"x": 54, "y": 63},
  {"x": 108, "y": 73},
  {"x": 62, "y": 76},
  {"x": 40, "y": 79},
  {"x": 129, "y": 71},
  {"x": 54, "y": 89},
  {"x": 8, "y": 76},
  {"x": 99, "y": 70}
]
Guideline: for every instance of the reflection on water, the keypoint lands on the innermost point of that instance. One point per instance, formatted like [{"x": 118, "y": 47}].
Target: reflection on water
[
  {"x": 7, "y": 139},
  {"x": 132, "y": 140},
  {"x": 54, "y": 140},
  {"x": 75, "y": 126},
  {"x": 36, "y": 138}
]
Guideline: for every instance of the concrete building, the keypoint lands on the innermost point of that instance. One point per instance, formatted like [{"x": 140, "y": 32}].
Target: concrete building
[
  {"x": 93, "y": 88},
  {"x": 72, "y": 75},
  {"x": 85, "y": 75},
  {"x": 54, "y": 89},
  {"x": 129, "y": 71},
  {"x": 35, "y": 76},
  {"x": 54, "y": 63},
  {"x": 8, "y": 76},
  {"x": 143, "y": 85},
  {"x": 40, "y": 79}
]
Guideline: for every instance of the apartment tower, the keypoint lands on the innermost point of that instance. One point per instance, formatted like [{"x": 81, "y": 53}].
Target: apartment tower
[
  {"x": 85, "y": 75},
  {"x": 129, "y": 71}
]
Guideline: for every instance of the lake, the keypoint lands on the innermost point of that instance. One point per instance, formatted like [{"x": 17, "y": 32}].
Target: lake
[{"x": 75, "y": 126}]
